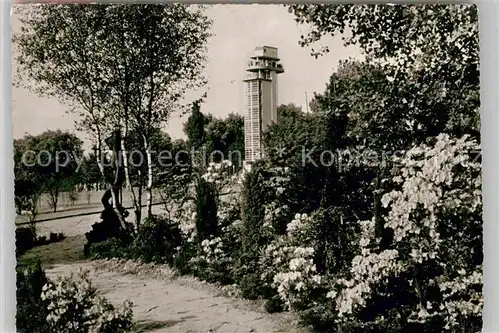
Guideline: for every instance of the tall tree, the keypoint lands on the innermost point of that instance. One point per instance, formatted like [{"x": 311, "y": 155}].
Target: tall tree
[
  {"x": 225, "y": 136},
  {"x": 125, "y": 65},
  {"x": 430, "y": 53},
  {"x": 288, "y": 142},
  {"x": 28, "y": 186},
  {"x": 194, "y": 128},
  {"x": 89, "y": 174},
  {"x": 50, "y": 159},
  {"x": 175, "y": 176},
  {"x": 284, "y": 138},
  {"x": 161, "y": 148}
]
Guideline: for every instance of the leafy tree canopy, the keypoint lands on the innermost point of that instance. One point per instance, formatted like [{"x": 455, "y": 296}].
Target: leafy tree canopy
[
  {"x": 113, "y": 63},
  {"x": 428, "y": 55}
]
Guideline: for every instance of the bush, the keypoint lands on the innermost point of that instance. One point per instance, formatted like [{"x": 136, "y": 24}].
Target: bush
[
  {"x": 182, "y": 259},
  {"x": 274, "y": 304},
  {"x": 287, "y": 265},
  {"x": 75, "y": 306},
  {"x": 333, "y": 239},
  {"x": 31, "y": 311},
  {"x": 252, "y": 238},
  {"x": 42, "y": 240},
  {"x": 212, "y": 262},
  {"x": 108, "y": 249},
  {"x": 157, "y": 240},
  {"x": 206, "y": 211},
  {"x": 321, "y": 317},
  {"x": 53, "y": 237},
  {"x": 430, "y": 270},
  {"x": 66, "y": 305},
  {"x": 25, "y": 240},
  {"x": 250, "y": 285}
]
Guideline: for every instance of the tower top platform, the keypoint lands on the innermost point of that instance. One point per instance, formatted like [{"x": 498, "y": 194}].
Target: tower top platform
[
  {"x": 266, "y": 52},
  {"x": 265, "y": 58}
]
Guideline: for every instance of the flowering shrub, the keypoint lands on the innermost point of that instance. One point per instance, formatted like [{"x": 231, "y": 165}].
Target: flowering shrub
[
  {"x": 298, "y": 224},
  {"x": 214, "y": 216},
  {"x": 295, "y": 283},
  {"x": 288, "y": 265},
  {"x": 276, "y": 216},
  {"x": 74, "y": 306},
  {"x": 279, "y": 180},
  {"x": 213, "y": 262},
  {"x": 220, "y": 174},
  {"x": 212, "y": 250},
  {"x": 434, "y": 261},
  {"x": 186, "y": 215},
  {"x": 462, "y": 298},
  {"x": 228, "y": 210}
]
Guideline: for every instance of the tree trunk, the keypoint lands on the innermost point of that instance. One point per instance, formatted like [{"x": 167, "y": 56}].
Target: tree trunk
[
  {"x": 149, "y": 186},
  {"x": 138, "y": 211},
  {"x": 54, "y": 199}
]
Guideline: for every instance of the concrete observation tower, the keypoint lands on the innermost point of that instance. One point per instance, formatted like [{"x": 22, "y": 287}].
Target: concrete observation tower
[{"x": 261, "y": 98}]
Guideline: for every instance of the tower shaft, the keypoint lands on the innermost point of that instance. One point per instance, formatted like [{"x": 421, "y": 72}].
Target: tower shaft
[{"x": 261, "y": 98}]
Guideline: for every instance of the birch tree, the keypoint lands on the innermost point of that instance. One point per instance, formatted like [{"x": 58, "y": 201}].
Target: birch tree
[
  {"x": 60, "y": 55},
  {"x": 163, "y": 56}
]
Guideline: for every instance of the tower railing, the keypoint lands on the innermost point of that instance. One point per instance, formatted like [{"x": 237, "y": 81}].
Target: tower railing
[{"x": 264, "y": 65}]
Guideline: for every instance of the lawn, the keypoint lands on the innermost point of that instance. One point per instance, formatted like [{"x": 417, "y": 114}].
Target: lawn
[{"x": 69, "y": 250}]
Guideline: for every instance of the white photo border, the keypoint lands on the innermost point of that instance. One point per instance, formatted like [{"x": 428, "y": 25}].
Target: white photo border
[
  {"x": 7, "y": 217},
  {"x": 489, "y": 20}
]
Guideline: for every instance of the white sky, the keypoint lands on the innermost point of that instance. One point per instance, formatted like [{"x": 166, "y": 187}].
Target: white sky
[{"x": 237, "y": 30}]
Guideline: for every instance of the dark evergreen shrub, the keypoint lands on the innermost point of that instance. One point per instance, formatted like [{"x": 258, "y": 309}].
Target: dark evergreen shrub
[
  {"x": 25, "y": 240},
  {"x": 206, "y": 211},
  {"x": 56, "y": 237},
  {"x": 247, "y": 272},
  {"x": 108, "y": 249},
  {"x": 31, "y": 310},
  {"x": 157, "y": 240}
]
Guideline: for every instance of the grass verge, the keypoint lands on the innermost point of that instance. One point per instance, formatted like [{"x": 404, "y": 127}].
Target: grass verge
[{"x": 69, "y": 250}]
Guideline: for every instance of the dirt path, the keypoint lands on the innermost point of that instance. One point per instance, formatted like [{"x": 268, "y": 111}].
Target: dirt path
[{"x": 169, "y": 305}]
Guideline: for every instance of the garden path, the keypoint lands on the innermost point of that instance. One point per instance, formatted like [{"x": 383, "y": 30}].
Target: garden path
[{"x": 163, "y": 305}]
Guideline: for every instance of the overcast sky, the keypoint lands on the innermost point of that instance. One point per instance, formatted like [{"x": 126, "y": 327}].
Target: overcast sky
[{"x": 237, "y": 30}]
